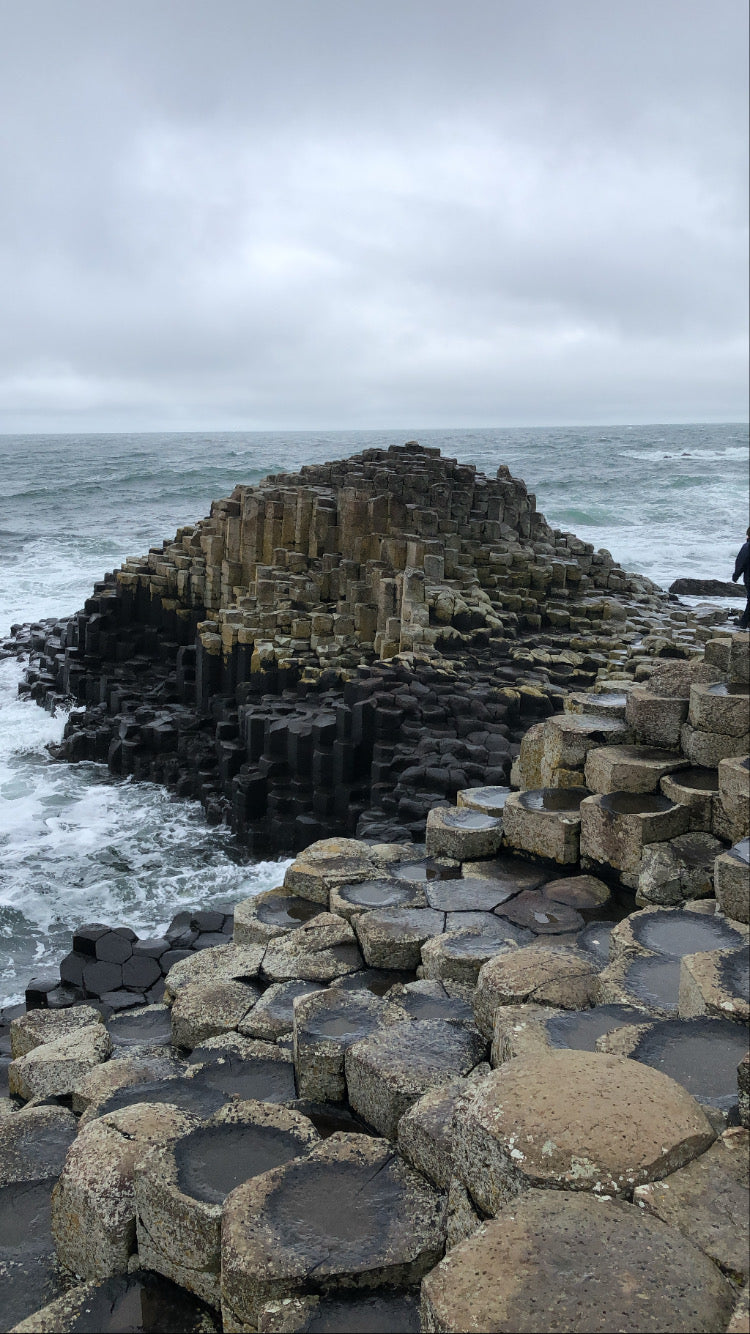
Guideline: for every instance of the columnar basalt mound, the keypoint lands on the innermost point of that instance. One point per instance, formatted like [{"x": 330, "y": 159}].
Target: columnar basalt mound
[{"x": 338, "y": 650}]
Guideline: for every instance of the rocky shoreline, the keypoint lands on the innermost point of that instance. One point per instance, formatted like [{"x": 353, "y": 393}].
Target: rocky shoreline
[{"x": 482, "y": 1066}]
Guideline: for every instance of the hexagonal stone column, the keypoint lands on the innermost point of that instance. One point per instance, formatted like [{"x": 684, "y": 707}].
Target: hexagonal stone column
[
  {"x": 181, "y": 1187},
  {"x": 545, "y": 822},
  {"x": 655, "y": 719},
  {"x": 393, "y": 937},
  {"x": 631, "y": 1124},
  {"x": 734, "y": 794},
  {"x": 697, "y": 789},
  {"x": 389, "y": 1070},
  {"x": 319, "y": 951},
  {"x": 93, "y": 1203},
  {"x": 540, "y": 974},
  {"x": 566, "y": 740},
  {"x": 717, "y": 983},
  {"x": 732, "y": 881},
  {"x": 207, "y": 1009},
  {"x": 325, "y": 1026},
  {"x": 562, "y": 1262},
  {"x": 264, "y": 916},
  {"x": 462, "y": 833},
  {"x": 630, "y": 768},
  {"x": 350, "y": 1215},
  {"x": 37, "y": 1027},
  {"x": 616, "y": 827},
  {"x": 54, "y": 1068}
]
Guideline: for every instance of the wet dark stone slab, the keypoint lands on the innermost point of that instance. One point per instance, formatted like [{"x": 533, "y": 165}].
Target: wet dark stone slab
[
  {"x": 434, "y": 1004},
  {"x": 579, "y": 1029},
  {"x": 513, "y": 874},
  {"x": 700, "y": 780},
  {"x": 463, "y": 818},
  {"x": 469, "y": 895},
  {"x": 4, "y": 1087},
  {"x": 330, "y": 1118},
  {"x": 554, "y": 799},
  {"x": 142, "y": 1303},
  {"x": 152, "y": 1027},
  {"x": 701, "y": 1054},
  {"x": 636, "y": 803},
  {"x": 381, "y": 894},
  {"x": 267, "y": 1080},
  {"x": 423, "y": 870},
  {"x": 734, "y": 971},
  {"x": 28, "y": 1276},
  {"x": 543, "y": 916},
  {"x": 33, "y": 1145},
  {"x": 214, "y": 1159},
  {"x": 476, "y": 937},
  {"x": 594, "y": 938},
  {"x": 676, "y": 933},
  {"x": 286, "y": 910},
  {"x": 377, "y": 980},
  {"x": 192, "y": 1095},
  {"x": 380, "y": 1312},
  {"x": 342, "y": 1017},
  {"x": 655, "y": 980}
]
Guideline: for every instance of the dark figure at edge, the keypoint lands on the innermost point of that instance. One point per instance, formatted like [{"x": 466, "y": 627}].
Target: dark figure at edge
[{"x": 742, "y": 567}]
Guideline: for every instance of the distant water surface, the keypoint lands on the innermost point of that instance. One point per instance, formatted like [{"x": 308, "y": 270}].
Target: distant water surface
[{"x": 77, "y": 846}]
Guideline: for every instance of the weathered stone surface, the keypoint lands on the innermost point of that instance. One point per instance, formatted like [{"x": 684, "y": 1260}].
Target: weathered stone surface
[
  {"x": 562, "y": 1262},
  {"x": 272, "y": 1017},
  {"x": 646, "y": 981},
  {"x": 425, "y": 1131},
  {"x": 274, "y": 913},
  {"x": 488, "y": 800},
  {"x": 567, "y": 739},
  {"x": 616, "y": 827},
  {"x": 540, "y": 974},
  {"x": 319, "y": 951},
  {"x": 680, "y": 869},
  {"x": 224, "y": 963},
  {"x": 207, "y": 1009},
  {"x": 655, "y": 719},
  {"x": 143, "y": 1029},
  {"x": 350, "y": 901},
  {"x": 701, "y": 1054},
  {"x": 427, "y": 998},
  {"x": 698, "y": 790},
  {"x": 34, "y": 1142},
  {"x": 93, "y": 1203},
  {"x": 510, "y": 873},
  {"x": 245, "y": 1068},
  {"x": 708, "y": 749},
  {"x": 532, "y": 1030},
  {"x": 54, "y": 1069},
  {"x": 545, "y": 822},
  {"x": 673, "y": 932},
  {"x": 330, "y": 861},
  {"x": 181, "y": 1187},
  {"x": 351, "y": 1215},
  {"x": 459, "y": 955},
  {"x": 739, "y": 659},
  {"x": 92, "y": 1307},
  {"x": 462, "y": 833},
  {"x": 732, "y": 881},
  {"x": 98, "y": 1084},
  {"x": 707, "y": 1201},
  {"x": 514, "y": 1129},
  {"x": 734, "y": 794},
  {"x": 715, "y": 982},
  {"x": 37, "y": 1027},
  {"x": 393, "y": 937},
  {"x": 325, "y": 1026},
  {"x": 629, "y": 768},
  {"x": 544, "y": 916},
  {"x": 720, "y": 707},
  {"x": 585, "y": 893},
  {"x": 389, "y": 1070},
  {"x": 740, "y": 1322}
]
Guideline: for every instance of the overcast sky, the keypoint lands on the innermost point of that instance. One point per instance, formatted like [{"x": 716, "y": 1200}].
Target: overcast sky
[{"x": 250, "y": 214}]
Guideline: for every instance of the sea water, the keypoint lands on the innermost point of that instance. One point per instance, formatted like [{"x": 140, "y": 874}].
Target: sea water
[{"x": 77, "y": 845}]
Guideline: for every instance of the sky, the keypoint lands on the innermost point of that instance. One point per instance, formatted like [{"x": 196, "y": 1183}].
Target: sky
[{"x": 311, "y": 214}]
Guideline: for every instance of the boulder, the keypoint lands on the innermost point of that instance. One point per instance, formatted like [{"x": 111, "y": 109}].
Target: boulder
[
  {"x": 321, "y": 950},
  {"x": 53, "y": 1070}
]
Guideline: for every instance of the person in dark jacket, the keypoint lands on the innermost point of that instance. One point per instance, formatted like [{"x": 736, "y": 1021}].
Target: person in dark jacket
[{"x": 742, "y": 568}]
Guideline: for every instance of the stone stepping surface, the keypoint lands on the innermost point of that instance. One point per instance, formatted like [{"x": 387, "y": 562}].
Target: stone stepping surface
[
  {"x": 546, "y": 822},
  {"x": 560, "y": 1261},
  {"x": 271, "y": 914},
  {"x": 136, "y": 1303},
  {"x": 180, "y": 1187},
  {"x": 514, "y": 1130},
  {"x": 350, "y": 1215},
  {"x": 378, "y": 1312},
  {"x": 702, "y": 1054},
  {"x": 325, "y": 1026},
  {"x": 389, "y": 1070},
  {"x": 530, "y": 1030}
]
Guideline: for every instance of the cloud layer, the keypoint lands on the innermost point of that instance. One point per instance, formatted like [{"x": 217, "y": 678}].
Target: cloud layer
[{"x": 250, "y": 215}]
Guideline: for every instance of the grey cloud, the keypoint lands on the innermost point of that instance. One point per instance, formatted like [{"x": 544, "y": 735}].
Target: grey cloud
[{"x": 290, "y": 214}]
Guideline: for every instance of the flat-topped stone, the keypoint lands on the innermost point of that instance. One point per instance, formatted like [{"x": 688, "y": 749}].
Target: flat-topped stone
[
  {"x": 318, "y": 951},
  {"x": 469, "y": 894},
  {"x": 181, "y": 1187},
  {"x": 204, "y": 1010},
  {"x": 696, "y": 788},
  {"x": 462, "y": 833},
  {"x": 629, "y": 768},
  {"x": 707, "y": 1201},
  {"x": 562, "y": 1262},
  {"x": 273, "y": 913},
  {"x": 325, "y": 1026},
  {"x": 146, "y": 1026},
  {"x": 673, "y": 932},
  {"x": 389, "y": 1070},
  {"x": 350, "y": 1215},
  {"x": 272, "y": 1017},
  {"x": 34, "y": 1142},
  {"x": 514, "y": 1130},
  {"x": 224, "y": 963},
  {"x": 717, "y": 983},
  {"x": 540, "y": 914},
  {"x": 734, "y": 795},
  {"x": 616, "y": 827},
  {"x": 545, "y": 822},
  {"x": 93, "y": 1203},
  {"x": 334, "y": 861},
  {"x": 656, "y": 719},
  {"x": 428, "y": 999},
  {"x": 53, "y": 1069},
  {"x": 247, "y": 1068},
  {"x": 647, "y": 981},
  {"x": 540, "y": 974},
  {"x": 37, "y": 1027},
  {"x": 511, "y": 873},
  {"x": 138, "y": 1302},
  {"x": 528, "y": 1030},
  {"x": 367, "y": 895},
  {"x": 393, "y": 937},
  {"x": 567, "y": 739},
  {"x": 701, "y": 1054},
  {"x": 732, "y": 881},
  {"x": 487, "y": 800},
  {"x": 720, "y": 707},
  {"x": 462, "y": 951}
]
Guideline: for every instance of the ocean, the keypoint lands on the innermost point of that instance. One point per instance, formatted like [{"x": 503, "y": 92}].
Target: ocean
[{"x": 77, "y": 846}]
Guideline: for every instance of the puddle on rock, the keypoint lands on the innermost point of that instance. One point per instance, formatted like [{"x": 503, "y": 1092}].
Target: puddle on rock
[
  {"x": 676, "y": 933},
  {"x": 701, "y": 1054},
  {"x": 463, "y": 818},
  {"x": 143, "y": 1303},
  {"x": 287, "y": 910},
  {"x": 334, "y": 1203},
  {"x": 266, "y": 1080},
  {"x": 636, "y": 803},
  {"x": 578, "y": 1030},
  {"x": 421, "y": 1006},
  {"x": 699, "y": 780},
  {"x": 376, "y": 980},
  {"x": 655, "y": 980},
  {"x": 379, "y": 894},
  {"x": 595, "y": 939},
  {"x": 214, "y": 1159},
  {"x": 565, "y": 800},
  {"x": 347, "y": 1020},
  {"x": 375, "y": 1313},
  {"x": 188, "y": 1094},
  {"x": 424, "y": 870},
  {"x": 733, "y": 688}
]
